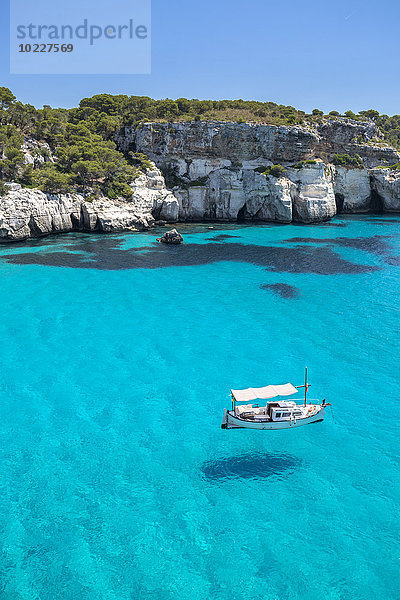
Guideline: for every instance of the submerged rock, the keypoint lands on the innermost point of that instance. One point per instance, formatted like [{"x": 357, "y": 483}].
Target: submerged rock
[{"x": 171, "y": 237}]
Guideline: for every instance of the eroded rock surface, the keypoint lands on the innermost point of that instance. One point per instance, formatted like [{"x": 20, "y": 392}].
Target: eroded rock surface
[
  {"x": 171, "y": 237},
  {"x": 220, "y": 171},
  {"x": 353, "y": 190},
  {"x": 26, "y": 213},
  {"x": 212, "y": 144},
  {"x": 216, "y": 170},
  {"x": 314, "y": 196},
  {"x": 386, "y": 186}
]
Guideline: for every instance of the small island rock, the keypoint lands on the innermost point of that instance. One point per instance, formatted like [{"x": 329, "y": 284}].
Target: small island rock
[{"x": 171, "y": 237}]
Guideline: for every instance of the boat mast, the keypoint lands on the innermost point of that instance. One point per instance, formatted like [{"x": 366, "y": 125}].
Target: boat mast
[{"x": 305, "y": 387}]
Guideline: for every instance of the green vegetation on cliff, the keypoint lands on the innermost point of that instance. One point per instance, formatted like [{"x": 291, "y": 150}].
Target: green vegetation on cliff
[
  {"x": 345, "y": 160},
  {"x": 274, "y": 170},
  {"x": 304, "y": 163},
  {"x": 81, "y": 154}
]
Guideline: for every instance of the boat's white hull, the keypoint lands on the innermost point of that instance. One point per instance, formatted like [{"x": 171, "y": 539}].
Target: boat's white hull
[{"x": 232, "y": 422}]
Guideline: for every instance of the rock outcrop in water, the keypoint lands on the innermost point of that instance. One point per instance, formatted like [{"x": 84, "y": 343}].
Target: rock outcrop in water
[
  {"x": 26, "y": 213},
  {"x": 219, "y": 171},
  {"x": 171, "y": 237}
]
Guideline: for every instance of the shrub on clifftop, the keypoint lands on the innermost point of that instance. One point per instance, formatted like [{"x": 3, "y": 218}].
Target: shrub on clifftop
[
  {"x": 304, "y": 163},
  {"x": 276, "y": 171},
  {"x": 345, "y": 160}
]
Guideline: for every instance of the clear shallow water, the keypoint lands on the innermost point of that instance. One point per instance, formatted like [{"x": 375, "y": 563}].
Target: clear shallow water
[{"x": 116, "y": 480}]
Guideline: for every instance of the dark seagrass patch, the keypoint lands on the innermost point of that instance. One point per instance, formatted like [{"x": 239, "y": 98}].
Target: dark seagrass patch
[
  {"x": 108, "y": 254},
  {"x": 284, "y": 290}
]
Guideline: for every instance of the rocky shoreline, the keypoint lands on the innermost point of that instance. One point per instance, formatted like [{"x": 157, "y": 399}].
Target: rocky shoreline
[
  {"x": 224, "y": 172},
  {"x": 29, "y": 213}
]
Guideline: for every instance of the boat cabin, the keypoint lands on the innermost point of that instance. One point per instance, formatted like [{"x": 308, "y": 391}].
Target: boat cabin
[
  {"x": 279, "y": 411},
  {"x": 273, "y": 411}
]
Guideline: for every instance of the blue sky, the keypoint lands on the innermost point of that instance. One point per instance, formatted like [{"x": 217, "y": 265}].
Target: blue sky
[{"x": 309, "y": 54}]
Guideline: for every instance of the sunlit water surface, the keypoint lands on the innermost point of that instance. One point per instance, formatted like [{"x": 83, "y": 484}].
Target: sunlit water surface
[{"x": 116, "y": 360}]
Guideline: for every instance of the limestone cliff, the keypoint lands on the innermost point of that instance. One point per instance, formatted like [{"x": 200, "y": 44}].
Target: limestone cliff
[
  {"x": 314, "y": 197},
  {"x": 219, "y": 171},
  {"x": 26, "y": 213},
  {"x": 353, "y": 190},
  {"x": 386, "y": 185},
  {"x": 209, "y": 144}
]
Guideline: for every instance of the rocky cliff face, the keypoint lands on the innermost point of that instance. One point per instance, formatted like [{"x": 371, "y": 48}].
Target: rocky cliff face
[
  {"x": 314, "y": 197},
  {"x": 216, "y": 169},
  {"x": 26, "y": 213},
  {"x": 385, "y": 184},
  {"x": 220, "y": 171},
  {"x": 305, "y": 195},
  {"x": 179, "y": 145},
  {"x": 353, "y": 190}
]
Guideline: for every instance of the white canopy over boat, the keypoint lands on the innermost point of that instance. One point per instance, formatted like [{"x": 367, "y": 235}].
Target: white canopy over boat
[{"x": 269, "y": 391}]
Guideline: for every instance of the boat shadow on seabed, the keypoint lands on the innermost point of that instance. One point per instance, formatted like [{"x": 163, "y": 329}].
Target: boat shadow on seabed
[{"x": 250, "y": 466}]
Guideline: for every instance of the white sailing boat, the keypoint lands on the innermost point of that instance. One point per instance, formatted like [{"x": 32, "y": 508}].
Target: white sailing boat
[{"x": 276, "y": 414}]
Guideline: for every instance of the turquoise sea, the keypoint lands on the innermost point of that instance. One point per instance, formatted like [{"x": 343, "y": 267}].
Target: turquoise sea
[{"x": 116, "y": 360}]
